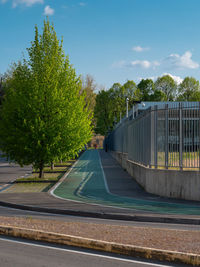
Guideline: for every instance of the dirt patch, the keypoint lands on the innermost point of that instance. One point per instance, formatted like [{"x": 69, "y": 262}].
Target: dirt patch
[{"x": 166, "y": 239}]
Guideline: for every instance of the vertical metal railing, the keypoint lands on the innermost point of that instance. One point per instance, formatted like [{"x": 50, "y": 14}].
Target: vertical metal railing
[
  {"x": 180, "y": 138},
  {"x": 155, "y": 137},
  {"x": 166, "y": 136}
]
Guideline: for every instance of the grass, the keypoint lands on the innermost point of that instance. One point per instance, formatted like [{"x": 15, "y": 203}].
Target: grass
[
  {"x": 190, "y": 159},
  {"x": 176, "y": 168},
  {"x": 47, "y": 177},
  {"x": 49, "y": 174},
  {"x": 28, "y": 188},
  {"x": 56, "y": 169},
  {"x": 65, "y": 164},
  {"x": 35, "y": 184}
]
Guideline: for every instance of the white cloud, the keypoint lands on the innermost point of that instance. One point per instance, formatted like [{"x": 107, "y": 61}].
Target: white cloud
[
  {"x": 182, "y": 61},
  {"x": 177, "y": 79},
  {"x": 139, "y": 48},
  {"x": 119, "y": 64},
  {"x": 143, "y": 64},
  {"x": 82, "y": 4},
  {"x": 173, "y": 61},
  {"x": 140, "y": 63},
  {"x": 27, "y": 3},
  {"x": 48, "y": 11}
]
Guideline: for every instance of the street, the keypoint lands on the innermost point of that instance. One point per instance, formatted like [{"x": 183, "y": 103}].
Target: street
[
  {"x": 22, "y": 253},
  {"x": 40, "y": 254},
  {"x": 10, "y": 171}
]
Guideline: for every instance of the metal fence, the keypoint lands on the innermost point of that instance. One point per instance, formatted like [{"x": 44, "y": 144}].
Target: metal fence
[{"x": 161, "y": 136}]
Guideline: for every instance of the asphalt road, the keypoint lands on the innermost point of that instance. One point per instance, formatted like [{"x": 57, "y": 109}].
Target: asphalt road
[
  {"x": 22, "y": 253},
  {"x": 10, "y": 171},
  {"x": 26, "y": 253},
  {"x": 9, "y": 212}
]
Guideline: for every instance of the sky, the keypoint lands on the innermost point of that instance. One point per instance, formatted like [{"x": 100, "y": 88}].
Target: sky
[{"x": 112, "y": 40}]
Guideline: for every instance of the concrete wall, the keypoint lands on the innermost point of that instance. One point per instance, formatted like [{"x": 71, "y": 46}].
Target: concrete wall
[{"x": 168, "y": 183}]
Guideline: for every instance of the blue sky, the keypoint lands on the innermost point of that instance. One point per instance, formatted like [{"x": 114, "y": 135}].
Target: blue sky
[{"x": 112, "y": 40}]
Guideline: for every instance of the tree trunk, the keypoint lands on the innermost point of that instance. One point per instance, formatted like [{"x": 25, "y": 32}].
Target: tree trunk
[
  {"x": 52, "y": 165},
  {"x": 41, "y": 174}
]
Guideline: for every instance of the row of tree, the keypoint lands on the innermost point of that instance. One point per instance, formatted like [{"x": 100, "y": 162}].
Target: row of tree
[
  {"x": 111, "y": 104},
  {"x": 45, "y": 114}
]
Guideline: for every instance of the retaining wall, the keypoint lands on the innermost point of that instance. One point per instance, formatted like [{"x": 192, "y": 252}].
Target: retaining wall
[{"x": 167, "y": 183}]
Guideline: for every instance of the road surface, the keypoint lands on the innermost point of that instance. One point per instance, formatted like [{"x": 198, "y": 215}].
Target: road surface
[{"x": 22, "y": 253}]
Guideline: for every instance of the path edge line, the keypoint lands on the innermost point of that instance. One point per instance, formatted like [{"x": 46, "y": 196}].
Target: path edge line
[{"x": 51, "y": 191}]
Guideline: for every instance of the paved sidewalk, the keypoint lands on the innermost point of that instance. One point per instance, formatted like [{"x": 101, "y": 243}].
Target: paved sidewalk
[
  {"x": 86, "y": 182},
  {"x": 138, "y": 205}
]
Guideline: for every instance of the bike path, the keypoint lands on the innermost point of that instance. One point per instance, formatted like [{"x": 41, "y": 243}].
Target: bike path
[{"x": 86, "y": 183}]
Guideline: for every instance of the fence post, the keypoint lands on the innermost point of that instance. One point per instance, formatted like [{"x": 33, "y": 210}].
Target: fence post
[
  {"x": 166, "y": 136},
  {"x": 199, "y": 136},
  {"x": 180, "y": 137},
  {"x": 150, "y": 138},
  {"x": 155, "y": 137}
]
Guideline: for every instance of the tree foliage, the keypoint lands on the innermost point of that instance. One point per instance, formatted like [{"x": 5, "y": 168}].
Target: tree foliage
[
  {"x": 111, "y": 104},
  {"x": 88, "y": 89},
  {"x": 166, "y": 87},
  {"x": 189, "y": 90},
  {"x": 146, "y": 89},
  {"x": 43, "y": 116},
  {"x": 103, "y": 114}
]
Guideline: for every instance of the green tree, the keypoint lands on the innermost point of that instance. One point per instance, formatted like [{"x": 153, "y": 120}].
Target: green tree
[
  {"x": 119, "y": 95},
  {"x": 43, "y": 116},
  {"x": 103, "y": 112},
  {"x": 1, "y": 88},
  {"x": 146, "y": 89},
  {"x": 88, "y": 88},
  {"x": 165, "y": 88},
  {"x": 112, "y": 103},
  {"x": 189, "y": 90},
  {"x": 3, "y": 79}
]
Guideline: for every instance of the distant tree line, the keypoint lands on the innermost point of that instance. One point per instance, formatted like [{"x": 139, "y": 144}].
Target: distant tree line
[{"x": 111, "y": 104}]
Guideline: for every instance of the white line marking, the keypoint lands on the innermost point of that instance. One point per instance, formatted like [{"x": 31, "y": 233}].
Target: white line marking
[
  {"x": 104, "y": 177},
  {"x": 83, "y": 253},
  {"x": 63, "y": 178},
  {"x": 85, "y": 202}
]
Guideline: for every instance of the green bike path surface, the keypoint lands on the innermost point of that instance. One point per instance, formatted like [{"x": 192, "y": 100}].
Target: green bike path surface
[{"x": 87, "y": 183}]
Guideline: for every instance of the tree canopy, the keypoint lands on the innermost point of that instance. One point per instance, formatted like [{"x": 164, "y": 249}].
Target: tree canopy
[
  {"x": 111, "y": 103},
  {"x": 189, "y": 90},
  {"x": 146, "y": 89},
  {"x": 166, "y": 87},
  {"x": 43, "y": 116},
  {"x": 88, "y": 89}
]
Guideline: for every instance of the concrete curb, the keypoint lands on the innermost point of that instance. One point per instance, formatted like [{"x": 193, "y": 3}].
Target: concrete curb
[
  {"x": 104, "y": 215},
  {"x": 129, "y": 250}
]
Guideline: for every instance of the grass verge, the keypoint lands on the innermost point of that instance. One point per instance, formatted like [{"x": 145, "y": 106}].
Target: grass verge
[{"x": 28, "y": 188}]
